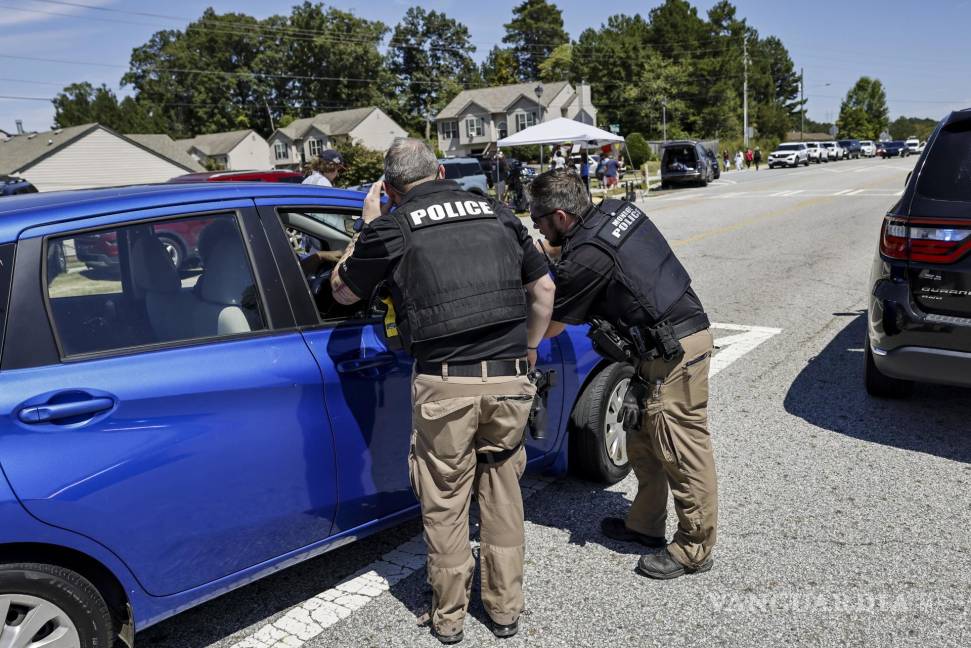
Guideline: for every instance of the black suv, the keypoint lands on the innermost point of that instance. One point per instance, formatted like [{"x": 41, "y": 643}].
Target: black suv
[
  {"x": 919, "y": 319},
  {"x": 685, "y": 162},
  {"x": 853, "y": 149}
]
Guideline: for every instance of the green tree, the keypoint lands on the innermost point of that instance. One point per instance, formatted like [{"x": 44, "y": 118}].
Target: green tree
[
  {"x": 904, "y": 127},
  {"x": 429, "y": 58},
  {"x": 558, "y": 65},
  {"x": 361, "y": 164},
  {"x": 82, "y": 103},
  {"x": 638, "y": 150},
  {"x": 863, "y": 113},
  {"x": 500, "y": 67},
  {"x": 535, "y": 31}
]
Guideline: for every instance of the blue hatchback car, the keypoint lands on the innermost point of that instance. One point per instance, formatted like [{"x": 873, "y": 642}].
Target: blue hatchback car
[{"x": 170, "y": 431}]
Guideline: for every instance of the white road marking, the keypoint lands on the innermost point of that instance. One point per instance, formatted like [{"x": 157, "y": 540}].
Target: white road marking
[
  {"x": 309, "y": 619},
  {"x": 733, "y": 347},
  {"x": 844, "y": 191},
  {"x": 855, "y": 192},
  {"x": 312, "y": 617}
]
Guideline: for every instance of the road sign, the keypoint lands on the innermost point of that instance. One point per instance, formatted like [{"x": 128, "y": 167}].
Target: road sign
[{"x": 615, "y": 128}]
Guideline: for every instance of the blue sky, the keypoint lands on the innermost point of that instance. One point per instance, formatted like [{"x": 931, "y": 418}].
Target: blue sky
[{"x": 920, "y": 50}]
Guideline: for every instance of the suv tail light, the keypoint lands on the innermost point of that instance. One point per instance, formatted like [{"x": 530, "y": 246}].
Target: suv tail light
[{"x": 925, "y": 240}]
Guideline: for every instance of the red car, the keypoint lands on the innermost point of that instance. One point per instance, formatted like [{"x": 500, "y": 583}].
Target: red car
[{"x": 293, "y": 177}]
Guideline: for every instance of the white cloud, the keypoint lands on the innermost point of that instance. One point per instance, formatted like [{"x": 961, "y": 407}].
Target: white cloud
[{"x": 39, "y": 12}]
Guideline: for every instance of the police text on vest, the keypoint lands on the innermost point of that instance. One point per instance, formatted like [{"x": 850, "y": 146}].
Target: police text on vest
[{"x": 456, "y": 209}]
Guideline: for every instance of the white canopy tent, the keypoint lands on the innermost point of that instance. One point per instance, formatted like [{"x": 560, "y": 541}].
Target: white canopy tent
[{"x": 560, "y": 130}]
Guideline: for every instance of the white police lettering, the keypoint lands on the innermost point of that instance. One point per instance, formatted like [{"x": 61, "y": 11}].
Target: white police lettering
[
  {"x": 485, "y": 207},
  {"x": 472, "y": 208},
  {"x": 623, "y": 221},
  {"x": 417, "y": 215},
  {"x": 435, "y": 212},
  {"x": 450, "y": 209}
]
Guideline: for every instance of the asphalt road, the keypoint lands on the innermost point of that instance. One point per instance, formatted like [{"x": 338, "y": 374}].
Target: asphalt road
[{"x": 844, "y": 520}]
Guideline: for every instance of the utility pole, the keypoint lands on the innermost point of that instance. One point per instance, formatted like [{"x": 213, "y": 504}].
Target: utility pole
[
  {"x": 802, "y": 105},
  {"x": 664, "y": 120},
  {"x": 745, "y": 92}
]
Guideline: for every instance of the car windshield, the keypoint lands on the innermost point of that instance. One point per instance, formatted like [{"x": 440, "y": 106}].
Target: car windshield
[
  {"x": 827, "y": 144},
  {"x": 789, "y": 147},
  {"x": 947, "y": 173}
]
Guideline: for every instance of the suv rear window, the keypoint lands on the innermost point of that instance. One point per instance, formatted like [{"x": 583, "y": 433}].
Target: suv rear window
[
  {"x": 471, "y": 169},
  {"x": 947, "y": 172}
]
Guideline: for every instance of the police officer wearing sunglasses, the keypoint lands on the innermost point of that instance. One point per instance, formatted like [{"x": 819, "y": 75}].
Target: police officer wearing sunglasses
[{"x": 617, "y": 272}]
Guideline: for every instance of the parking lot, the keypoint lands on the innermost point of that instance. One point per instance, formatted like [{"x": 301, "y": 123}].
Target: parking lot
[{"x": 844, "y": 520}]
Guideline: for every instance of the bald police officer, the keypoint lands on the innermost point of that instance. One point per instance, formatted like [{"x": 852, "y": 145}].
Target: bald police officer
[
  {"x": 617, "y": 268},
  {"x": 472, "y": 298}
]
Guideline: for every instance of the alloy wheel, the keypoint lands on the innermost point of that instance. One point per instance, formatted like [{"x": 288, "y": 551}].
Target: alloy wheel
[
  {"x": 31, "y": 622},
  {"x": 615, "y": 437}
]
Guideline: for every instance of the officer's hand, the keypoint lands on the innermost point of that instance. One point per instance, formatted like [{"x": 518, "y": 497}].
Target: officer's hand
[
  {"x": 372, "y": 203},
  {"x": 531, "y": 358}
]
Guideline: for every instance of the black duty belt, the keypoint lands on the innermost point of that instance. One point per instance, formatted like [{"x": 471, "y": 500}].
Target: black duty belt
[
  {"x": 483, "y": 369},
  {"x": 691, "y": 326}
]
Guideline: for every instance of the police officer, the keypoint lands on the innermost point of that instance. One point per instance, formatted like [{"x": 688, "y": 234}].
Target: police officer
[
  {"x": 473, "y": 299},
  {"x": 618, "y": 271}
]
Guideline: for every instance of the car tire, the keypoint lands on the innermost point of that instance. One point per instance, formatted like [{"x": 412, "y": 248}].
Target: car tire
[
  {"x": 881, "y": 385},
  {"x": 174, "y": 248},
  {"x": 79, "y": 610},
  {"x": 598, "y": 443}
]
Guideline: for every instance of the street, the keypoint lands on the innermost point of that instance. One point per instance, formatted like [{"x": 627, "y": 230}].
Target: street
[{"x": 844, "y": 520}]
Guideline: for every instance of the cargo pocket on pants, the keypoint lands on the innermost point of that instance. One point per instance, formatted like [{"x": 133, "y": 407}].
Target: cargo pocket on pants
[
  {"x": 503, "y": 423},
  {"x": 445, "y": 432}
]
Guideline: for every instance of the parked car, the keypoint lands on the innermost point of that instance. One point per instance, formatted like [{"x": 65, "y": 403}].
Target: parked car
[
  {"x": 852, "y": 148},
  {"x": 868, "y": 148},
  {"x": 13, "y": 186},
  {"x": 833, "y": 151},
  {"x": 593, "y": 159},
  {"x": 467, "y": 172},
  {"x": 919, "y": 316},
  {"x": 715, "y": 164},
  {"x": 790, "y": 154},
  {"x": 816, "y": 152},
  {"x": 273, "y": 175},
  {"x": 685, "y": 162},
  {"x": 167, "y": 438},
  {"x": 894, "y": 148},
  {"x": 913, "y": 145}
]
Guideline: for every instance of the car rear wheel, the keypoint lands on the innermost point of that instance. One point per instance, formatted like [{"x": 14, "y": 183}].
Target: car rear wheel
[
  {"x": 598, "y": 441},
  {"x": 882, "y": 385},
  {"x": 49, "y": 606},
  {"x": 174, "y": 249}
]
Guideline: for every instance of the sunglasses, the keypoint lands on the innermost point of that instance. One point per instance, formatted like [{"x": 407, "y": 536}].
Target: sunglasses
[{"x": 537, "y": 219}]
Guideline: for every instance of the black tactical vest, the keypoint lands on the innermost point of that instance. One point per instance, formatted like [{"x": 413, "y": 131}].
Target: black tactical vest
[
  {"x": 461, "y": 269},
  {"x": 647, "y": 277}
]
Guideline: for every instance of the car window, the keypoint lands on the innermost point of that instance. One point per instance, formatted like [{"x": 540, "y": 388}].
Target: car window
[
  {"x": 789, "y": 147},
  {"x": 6, "y": 272},
  {"x": 471, "y": 169},
  {"x": 947, "y": 172},
  {"x": 151, "y": 283},
  {"x": 452, "y": 171}
]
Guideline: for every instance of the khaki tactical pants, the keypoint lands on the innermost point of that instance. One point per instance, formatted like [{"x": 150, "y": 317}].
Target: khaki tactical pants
[
  {"x": 672, "y": 449},
  {"x": 452, "y": 420}
]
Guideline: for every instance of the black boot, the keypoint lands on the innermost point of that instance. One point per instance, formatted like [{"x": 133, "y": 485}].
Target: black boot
[
  {"x": 505, "y": 631},
  {"x": 616, "y": 529},
  {"x": 663, "y": 566}
]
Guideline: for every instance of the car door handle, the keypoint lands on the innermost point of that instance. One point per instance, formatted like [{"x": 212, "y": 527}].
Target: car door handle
[
  {"x": 56, "y": 411},
  {"x": 380, "y": 361}
]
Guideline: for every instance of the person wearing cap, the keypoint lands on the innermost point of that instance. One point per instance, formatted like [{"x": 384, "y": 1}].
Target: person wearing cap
[
  {"x": 325, "y": 169},
  {"x": 472, "y": 299}
]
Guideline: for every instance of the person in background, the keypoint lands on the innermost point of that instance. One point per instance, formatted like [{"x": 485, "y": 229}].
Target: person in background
[
  {"x": 739, "y": 161},
  {"x": 725, "y": 160},
  {"x": 611, "y": 172},
  {"x": 500, "y": 170},
  {"x": 585, "y": 169},
  {"x": 559, "y": 161},
  {"x": 748, "y": 158},
  {"x": 325, "y": 169},
  {"x": 757, "y": 157}
]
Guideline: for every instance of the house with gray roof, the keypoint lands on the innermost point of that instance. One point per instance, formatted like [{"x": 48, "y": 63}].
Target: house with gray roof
[
  {"x": 475, "y": 120},
  {"x": 232, "y": 151},
  {"x": 90, "y": 155},
  {"x": 302, "y": 140}
]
